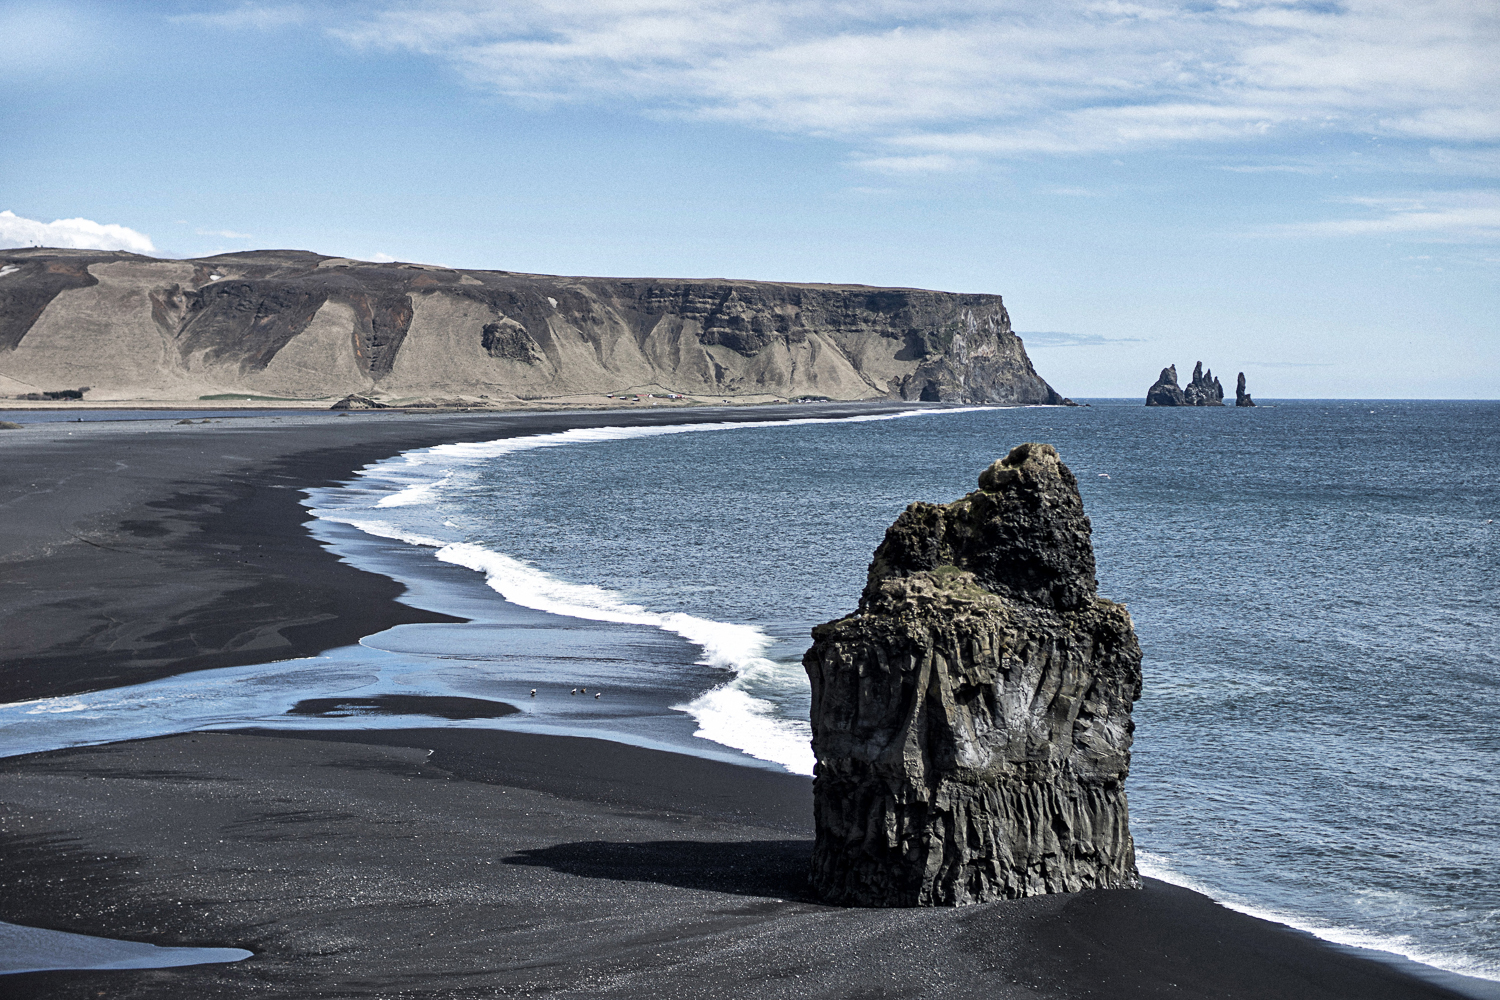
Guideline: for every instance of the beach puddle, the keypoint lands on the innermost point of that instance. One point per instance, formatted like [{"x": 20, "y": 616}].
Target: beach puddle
[
  {"x": 437, "y": 706},
  {"x": 33, "y": 949}
]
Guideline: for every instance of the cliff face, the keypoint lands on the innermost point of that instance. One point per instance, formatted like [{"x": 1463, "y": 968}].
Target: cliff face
[
  {"x": 971, "y": 721},
  {"x": 299, "y": 325}
]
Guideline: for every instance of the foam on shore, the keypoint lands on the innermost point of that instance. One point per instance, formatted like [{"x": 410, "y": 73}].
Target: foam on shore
[{"x": 729, "y": 714}]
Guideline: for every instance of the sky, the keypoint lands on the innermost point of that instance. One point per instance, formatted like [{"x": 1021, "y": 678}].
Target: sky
[{"x": 1308, "y": 192}]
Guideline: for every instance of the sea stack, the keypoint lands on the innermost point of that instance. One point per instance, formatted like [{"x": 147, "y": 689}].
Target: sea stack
[
  {"x": 971, "y": 720},
  {"x": 1166, "y": 391},
  {"x": 1204, "y": 389},
  {"x": 1241, "y": 397}
]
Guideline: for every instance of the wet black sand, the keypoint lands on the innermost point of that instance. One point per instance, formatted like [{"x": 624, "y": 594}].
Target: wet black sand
[
  {"x": 135, "y": 550},
  {"x": 448, "y": 862}
]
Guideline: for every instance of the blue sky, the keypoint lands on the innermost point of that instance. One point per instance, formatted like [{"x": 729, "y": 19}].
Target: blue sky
[{"x": 1308, "y": 192}]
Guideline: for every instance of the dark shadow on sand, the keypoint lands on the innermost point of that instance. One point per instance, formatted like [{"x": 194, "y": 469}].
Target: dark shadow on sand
[
  {"x": 773, "y": 869},
  {"x": 404, "y": 704}
]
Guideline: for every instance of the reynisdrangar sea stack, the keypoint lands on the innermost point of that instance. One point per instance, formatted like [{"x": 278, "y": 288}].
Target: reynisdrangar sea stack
[{"x": 971, "y": 720}]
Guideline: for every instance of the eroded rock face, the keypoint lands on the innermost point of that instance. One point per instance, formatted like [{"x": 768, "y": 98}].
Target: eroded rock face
[{"x": 971, "y": 721}]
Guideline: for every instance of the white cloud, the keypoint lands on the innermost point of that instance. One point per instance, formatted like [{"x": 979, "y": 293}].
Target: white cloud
[
  {"x": 228, "y": 234},
  {"x": 929, "y": 163},
  {"x": 1449, "y": 216},
  {"x": 82, "y": 234},
  {"x": 1057, "y": 338},
  {"x": 381, "y": 258},
  {"x": 985, "y": 77},
  {"x": 253, "y": 16}
]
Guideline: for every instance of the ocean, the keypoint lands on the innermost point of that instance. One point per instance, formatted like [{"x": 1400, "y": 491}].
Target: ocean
[{"x": 1314, "y": 586}]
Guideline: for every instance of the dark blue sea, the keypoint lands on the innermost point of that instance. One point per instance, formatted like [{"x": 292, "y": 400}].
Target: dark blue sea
[{"x": 1315, "y": 585}]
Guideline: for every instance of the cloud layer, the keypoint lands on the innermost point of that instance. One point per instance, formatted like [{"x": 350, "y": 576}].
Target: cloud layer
[
  {"x": 929, "y": 86},
  {"x": 78, "y": 234}
]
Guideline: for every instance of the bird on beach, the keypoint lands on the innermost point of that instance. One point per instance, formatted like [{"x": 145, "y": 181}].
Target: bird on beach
[
  {"x": 583, "y": 690},
  {"x": 574, "y": 691},
  {"x": 533, "y": 692},
  {"x": 596, "y": 695}
]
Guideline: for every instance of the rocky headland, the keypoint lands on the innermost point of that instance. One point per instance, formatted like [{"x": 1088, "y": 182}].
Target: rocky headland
[
  {"x": 1203, "y": 390},
  {"x": 971, "y": 720},
  {"x": 282, "y": 325}
]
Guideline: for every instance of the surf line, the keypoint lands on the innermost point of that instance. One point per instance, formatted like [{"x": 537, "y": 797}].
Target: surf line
[{"x": 727, "y": 714}]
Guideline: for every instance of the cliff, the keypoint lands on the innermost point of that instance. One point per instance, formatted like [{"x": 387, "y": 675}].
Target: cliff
[
  {"x": 971, "y": 720},
  {"x": 299, "y": 325}
]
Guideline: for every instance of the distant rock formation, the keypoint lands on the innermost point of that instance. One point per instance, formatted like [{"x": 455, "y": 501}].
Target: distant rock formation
[
  {"x": 1241, "y": 397},
  {"x": 1204, "y": 389},
  {"x": 1166, "y": 391},
  {"x": 971, "y": 720},
  {"x": 354, "y": 401},
  {"x": 300, "y": 326}
]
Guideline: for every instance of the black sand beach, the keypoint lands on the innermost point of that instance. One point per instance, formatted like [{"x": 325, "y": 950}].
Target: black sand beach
[{"x": 443, "y": 862}]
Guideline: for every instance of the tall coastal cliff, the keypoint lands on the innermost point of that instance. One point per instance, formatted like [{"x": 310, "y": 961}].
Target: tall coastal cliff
[
  {"x": 971, "y": 720},
  {"x": 299, "y": 325}
]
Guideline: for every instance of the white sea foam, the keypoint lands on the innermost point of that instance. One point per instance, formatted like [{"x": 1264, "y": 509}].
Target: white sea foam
[
  {"x": 423, "y": 492},
  {"x": 728, "y": 714},
  {"x": 1158, "y": 867}
]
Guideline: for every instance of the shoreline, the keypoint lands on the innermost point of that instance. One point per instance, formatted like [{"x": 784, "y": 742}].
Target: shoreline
[
  {"x": 202, "y": 527},
  {"x": 467, "y": 862},
  {"x": 232, "y": 497}
]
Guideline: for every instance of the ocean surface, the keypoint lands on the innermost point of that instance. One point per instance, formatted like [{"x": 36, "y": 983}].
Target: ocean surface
[{"x": 1315, "y": 585}]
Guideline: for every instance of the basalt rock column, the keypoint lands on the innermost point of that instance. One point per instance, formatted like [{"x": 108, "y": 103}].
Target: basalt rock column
[
  {"x": 1204, "y": 389},
  {"x": 1241, "y": 397},
  {"x": 971, "y": 720}
]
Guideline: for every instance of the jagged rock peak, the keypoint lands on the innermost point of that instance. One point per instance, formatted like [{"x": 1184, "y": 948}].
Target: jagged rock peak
[
  {"x": 1166, "y": 392},
  {"x": 1204, "y": 389},
  {"x": 971, "y": 721},
  {"x": 1241, "y": 397},
  {"x": 1022, "y": 534}
]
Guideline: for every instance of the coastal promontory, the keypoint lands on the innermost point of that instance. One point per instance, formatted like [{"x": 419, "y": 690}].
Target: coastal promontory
[
  {"x": 971, "y": 720},
  {"x": 296, "y": 326}
]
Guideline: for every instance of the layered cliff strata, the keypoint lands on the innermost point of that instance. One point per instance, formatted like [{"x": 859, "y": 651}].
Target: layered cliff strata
[
  {"x": 291, "y": 324},
  {"x": 971, "y": 720}
]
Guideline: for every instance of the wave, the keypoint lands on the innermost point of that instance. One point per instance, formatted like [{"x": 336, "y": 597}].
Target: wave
[{"x": 730, "y": 714}]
